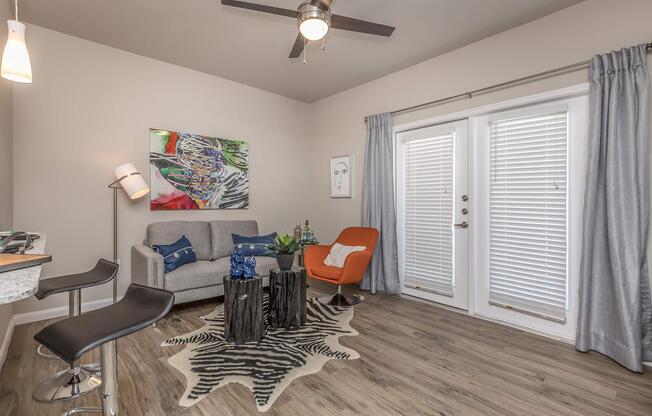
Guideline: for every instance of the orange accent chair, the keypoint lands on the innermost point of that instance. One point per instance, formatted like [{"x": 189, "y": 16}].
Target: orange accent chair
[{"x": 354, "y": 266}]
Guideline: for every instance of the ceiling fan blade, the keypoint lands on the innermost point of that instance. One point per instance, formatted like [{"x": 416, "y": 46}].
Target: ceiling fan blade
[
  {"x": 261, "y": 8},
  {"x": 298, "y": 46},
  {"x": 362, "y": 26}
]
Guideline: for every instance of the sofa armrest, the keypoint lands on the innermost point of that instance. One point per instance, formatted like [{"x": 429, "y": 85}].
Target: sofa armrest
[
  {"x": 355, "y": 266},
  {"x": 147, "y": 267}
]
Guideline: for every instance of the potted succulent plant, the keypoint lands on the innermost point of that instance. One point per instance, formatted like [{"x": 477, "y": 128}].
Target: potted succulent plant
[{"x": 284, "y": 246}]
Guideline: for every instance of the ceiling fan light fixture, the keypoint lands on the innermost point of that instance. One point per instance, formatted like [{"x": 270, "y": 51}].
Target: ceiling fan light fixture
[{"x": 313, "y": 21}]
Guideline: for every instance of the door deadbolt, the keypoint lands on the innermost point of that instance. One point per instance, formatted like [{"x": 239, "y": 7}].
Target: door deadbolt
[
  {"x": 465, "y": 211},
  {"x": 462, "y": 225},
  {"x": 465, "y": 198}
]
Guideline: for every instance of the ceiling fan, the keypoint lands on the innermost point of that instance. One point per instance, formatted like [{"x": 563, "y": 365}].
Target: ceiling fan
[{"x": 314, "y": 19}]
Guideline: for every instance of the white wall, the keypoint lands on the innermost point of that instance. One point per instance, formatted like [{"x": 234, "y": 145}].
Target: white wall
[
  {"x": 571, "y": 35},
  {"x": 89, "y": 110},
  {"x": 90, "y": 107},
  {"x": 6, "y": 186},
  {"x": 566, "y": 37},
  {"x": 6, "y": 191}
]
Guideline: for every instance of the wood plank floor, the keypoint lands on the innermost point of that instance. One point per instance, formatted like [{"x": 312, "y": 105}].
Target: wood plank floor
[{"x": 416, "y": 359}]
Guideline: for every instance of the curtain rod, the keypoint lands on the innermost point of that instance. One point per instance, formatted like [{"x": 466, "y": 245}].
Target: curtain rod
[{"x": 479, "y": 91}]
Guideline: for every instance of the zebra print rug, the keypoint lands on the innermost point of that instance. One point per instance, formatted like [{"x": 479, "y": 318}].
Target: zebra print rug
[{"x": 266, "y": 368}]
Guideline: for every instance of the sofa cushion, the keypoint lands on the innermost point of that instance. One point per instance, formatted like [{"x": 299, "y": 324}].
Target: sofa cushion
[
  {"x": 326, "y": 272},
  {"x": 263, "y": 264},
  {"x": 198, "y": 232},
  {"x": 221, "y": 231},
  {"x": 196, "y": 275},
  {"x": 209, "y": 273}
]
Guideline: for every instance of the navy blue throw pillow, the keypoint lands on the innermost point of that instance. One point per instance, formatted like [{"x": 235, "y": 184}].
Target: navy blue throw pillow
[
  {"x": 176, "y": 254},
  {"x": 253, "y": 249},
  {"x": 256, "y": 245}
]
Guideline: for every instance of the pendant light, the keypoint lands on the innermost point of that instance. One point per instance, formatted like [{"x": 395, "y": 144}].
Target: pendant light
[{"x": 16, "y": 65}]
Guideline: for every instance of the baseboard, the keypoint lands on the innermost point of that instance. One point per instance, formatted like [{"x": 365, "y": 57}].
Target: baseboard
[
  {"x": 42, "y": 315},
  {"x": 648, "y": 365},
  {"x": 4, "y": 349}
]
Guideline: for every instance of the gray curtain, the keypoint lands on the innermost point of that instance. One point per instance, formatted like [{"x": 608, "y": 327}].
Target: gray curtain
[
  {"x": 378, "y": 210},
  {"x": 614, "y": 311}
]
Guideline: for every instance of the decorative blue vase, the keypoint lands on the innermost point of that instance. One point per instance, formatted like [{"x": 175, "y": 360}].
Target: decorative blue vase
[
  {"x": 250, "y": 267},
  {"x": 237, "y": 264}
]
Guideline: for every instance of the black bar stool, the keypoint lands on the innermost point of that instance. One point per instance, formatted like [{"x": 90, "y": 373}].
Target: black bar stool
[
  {"x": 73, "y": 337},
  {"x": 76, "y": 380}
]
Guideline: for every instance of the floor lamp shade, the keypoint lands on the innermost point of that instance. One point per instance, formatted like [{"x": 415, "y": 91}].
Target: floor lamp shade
[
  {"x": 16, "y": 65},
  {"x": 131, "y": 181}
]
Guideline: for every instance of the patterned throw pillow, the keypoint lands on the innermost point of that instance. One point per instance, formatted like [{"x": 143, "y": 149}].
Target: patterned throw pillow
[
  {"x": 255, "y": 249},
  {"x": 256, "y": 245},
  {"x": 176, "y": 254}
]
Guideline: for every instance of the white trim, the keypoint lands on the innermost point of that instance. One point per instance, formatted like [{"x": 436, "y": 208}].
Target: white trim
[
  {"x": 6, "y": 341},
  {"x": 42, "y": 315},
  {"x": 568, "y": 92}
]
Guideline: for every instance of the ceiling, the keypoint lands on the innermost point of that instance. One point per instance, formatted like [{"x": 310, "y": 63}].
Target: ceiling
[{"x": 252, "y": 48}]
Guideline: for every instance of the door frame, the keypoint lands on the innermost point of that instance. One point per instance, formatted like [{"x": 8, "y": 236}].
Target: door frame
[
  {"x": 460, "y": 249},
  {"x": 528, "y": 100}
]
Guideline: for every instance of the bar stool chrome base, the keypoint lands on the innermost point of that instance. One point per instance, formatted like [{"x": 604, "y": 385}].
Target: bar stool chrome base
[
  {"x": 66, "y": 384},
  {"x": 109, "y": 390}
]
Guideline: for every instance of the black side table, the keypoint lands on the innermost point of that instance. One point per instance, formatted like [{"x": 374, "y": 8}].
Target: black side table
[
  {"x": 243, "y": 310},
  {"x": 287, "y": 298}
]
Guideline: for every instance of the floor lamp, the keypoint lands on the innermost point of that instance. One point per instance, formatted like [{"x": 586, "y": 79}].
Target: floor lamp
[{"x": 131, "y": 181}]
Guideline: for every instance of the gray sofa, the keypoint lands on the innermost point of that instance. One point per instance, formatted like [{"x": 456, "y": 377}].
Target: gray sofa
[{"x": 213, "y": 245}]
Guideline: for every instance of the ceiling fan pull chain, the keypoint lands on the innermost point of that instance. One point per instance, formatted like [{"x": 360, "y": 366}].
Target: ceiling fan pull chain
[
  {"x": 323, "y": 43},
  {"x": 305, "y": 48}
]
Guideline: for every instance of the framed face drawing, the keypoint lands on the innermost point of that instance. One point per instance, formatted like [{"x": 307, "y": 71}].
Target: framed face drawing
[{"x": 341, "y": 176}]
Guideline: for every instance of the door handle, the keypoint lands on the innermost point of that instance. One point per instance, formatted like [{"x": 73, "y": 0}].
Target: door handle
[{"x": 462, "y": 225}]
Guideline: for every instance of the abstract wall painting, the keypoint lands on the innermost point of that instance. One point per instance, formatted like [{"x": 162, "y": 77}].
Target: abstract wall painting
[
  {"x": 190, "y": 171},
  {"x": 341, "y": 176}
]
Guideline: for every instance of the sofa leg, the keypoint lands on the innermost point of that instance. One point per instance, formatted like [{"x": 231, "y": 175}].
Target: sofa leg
[{"x": 339, "y": 299}]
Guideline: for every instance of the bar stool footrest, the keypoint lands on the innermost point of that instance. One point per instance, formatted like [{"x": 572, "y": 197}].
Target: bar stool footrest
[{"x": 78, "y": 410}]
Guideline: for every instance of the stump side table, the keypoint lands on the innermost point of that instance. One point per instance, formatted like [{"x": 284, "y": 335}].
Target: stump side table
[
  {"x": 243, "y": 310},
  {"x": 287, "y": 298}
]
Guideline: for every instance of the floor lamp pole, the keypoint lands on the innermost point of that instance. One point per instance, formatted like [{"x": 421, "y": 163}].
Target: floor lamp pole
[
  {"x": 115, "y": 240},
  {"x": 129, "y": 180}
]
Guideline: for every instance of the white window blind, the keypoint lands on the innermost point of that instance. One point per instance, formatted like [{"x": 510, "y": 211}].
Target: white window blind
[
  {"x": 429, "y": 181},
  {"x": 528, "y": 205}
]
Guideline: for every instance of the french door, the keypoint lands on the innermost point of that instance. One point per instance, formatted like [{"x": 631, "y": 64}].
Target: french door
[
  {"x": 433, "y": 220},
  {"x": 516, "y": 259}
]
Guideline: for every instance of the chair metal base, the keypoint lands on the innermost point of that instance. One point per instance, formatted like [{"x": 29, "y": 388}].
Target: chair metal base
[
  {"x": 339, "y": 299},
  {"x": 66, "y": 384}
]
